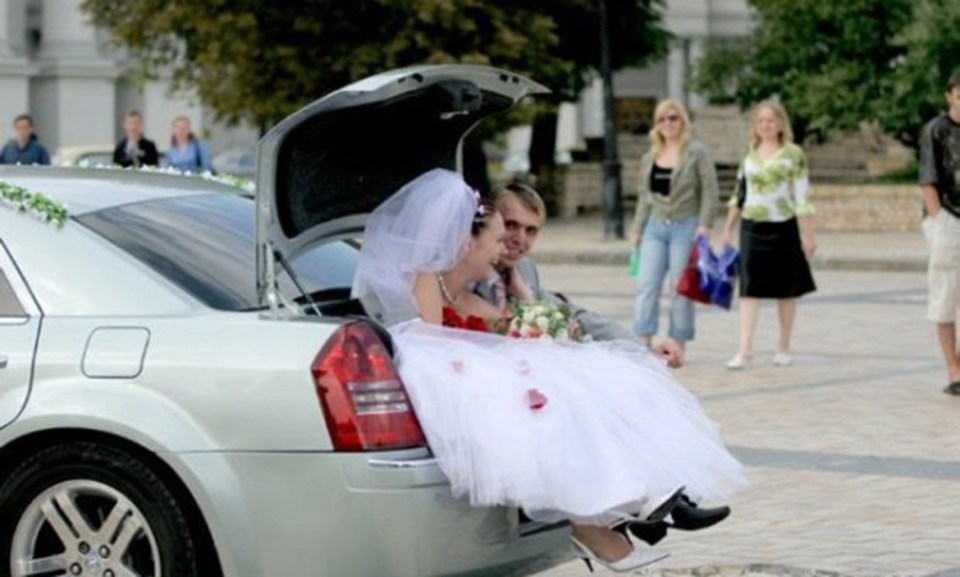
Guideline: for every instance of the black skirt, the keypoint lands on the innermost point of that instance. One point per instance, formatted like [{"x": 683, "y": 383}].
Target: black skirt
[{"x": 772, "y": 263}]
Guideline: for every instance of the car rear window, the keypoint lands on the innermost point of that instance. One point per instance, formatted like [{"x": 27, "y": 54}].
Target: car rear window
[{"x": 206, "y": 245}]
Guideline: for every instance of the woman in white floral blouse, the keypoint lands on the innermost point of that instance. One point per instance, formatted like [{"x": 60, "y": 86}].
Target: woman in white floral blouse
[{"x": 776, "y": 230}]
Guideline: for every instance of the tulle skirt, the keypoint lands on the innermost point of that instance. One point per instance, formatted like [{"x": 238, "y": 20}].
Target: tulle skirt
[{"x": 591, "y": 432}]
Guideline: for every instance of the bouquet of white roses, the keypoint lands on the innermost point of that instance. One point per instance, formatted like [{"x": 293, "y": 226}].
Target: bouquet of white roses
[{"x": 542, "y": 319}]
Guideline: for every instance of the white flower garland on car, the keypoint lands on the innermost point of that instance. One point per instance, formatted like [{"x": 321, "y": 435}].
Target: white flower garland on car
[
  {"x": 228, "y": 179},
  {"x": 55, "y": 212},
  {"x": 23, "y": 200}
]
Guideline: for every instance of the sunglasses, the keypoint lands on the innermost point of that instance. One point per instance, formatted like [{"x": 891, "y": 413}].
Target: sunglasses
[{"x": 669, "y": 118}]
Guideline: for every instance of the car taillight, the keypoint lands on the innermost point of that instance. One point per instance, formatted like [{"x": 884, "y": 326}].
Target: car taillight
[{"x": 360, "y": 392}]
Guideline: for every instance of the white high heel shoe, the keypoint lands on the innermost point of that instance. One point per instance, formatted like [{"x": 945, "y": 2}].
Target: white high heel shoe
[
  {"x": 636, "y": 559},
  {"x": 781, "y": 359},
  {"x": 738, "y": 362}
]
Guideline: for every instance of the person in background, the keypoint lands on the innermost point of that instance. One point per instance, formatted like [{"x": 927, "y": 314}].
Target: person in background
[
  {"x": 677, "y": 201},
  {"x": 187, "y": 153},
  {"x": 940, "y": 184},
  {"x": 134, "y": 149},
  {"x": 24, "y": 147},
  {"x": 776, "y": 230}
]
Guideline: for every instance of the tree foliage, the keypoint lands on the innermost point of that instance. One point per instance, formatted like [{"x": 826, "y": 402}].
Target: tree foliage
[
  {"x": 932, "y": 52},
  {"x": 260, "y": 60},
  {"x": 833, "y": 64}
]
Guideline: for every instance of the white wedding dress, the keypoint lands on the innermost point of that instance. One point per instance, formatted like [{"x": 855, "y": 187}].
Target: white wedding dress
[{"x": 593, "y": 432}]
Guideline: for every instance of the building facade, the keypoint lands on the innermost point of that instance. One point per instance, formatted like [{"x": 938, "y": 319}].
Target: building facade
[{"x": 57, "y": 67}]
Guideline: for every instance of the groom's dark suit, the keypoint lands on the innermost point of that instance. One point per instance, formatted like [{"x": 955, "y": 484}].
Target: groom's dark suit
[{"x": 597, "y": 326}]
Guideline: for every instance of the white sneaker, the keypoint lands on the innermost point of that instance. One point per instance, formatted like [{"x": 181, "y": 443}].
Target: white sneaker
[
  {"x": 738, "y": 362},
  {"x": 781, "y": 359}
]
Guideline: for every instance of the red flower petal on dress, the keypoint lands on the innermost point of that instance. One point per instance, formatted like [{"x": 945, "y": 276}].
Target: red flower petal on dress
[
  {"x": 536, "y": 399},
  {"x": 458, "y": 366}
]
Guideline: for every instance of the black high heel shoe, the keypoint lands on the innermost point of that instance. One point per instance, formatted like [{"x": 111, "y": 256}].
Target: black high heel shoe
[
  {"x": 664, "y": 508},
  {"x": 649, "y": 533},
  {"x": 651, "y": 528},
  {"x": 685, "y": 515}
]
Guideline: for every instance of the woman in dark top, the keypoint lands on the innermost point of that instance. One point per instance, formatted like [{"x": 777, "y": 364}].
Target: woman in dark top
[{"x": 677, "y": 201}]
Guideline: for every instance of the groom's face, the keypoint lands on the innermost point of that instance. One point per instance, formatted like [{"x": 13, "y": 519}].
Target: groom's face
[{"x": 522, "y": 227}]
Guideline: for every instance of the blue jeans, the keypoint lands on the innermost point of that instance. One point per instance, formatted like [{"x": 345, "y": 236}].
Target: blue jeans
[{"x": 665, "y": 249}]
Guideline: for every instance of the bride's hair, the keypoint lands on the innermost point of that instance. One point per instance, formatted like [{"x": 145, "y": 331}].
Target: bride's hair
[
  {"x": 485, "y": 209},
  {"x": 422, "y": 228}
]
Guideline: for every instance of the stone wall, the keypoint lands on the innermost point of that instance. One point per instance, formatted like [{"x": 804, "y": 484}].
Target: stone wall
[
  {"x": 866, "y": 208},
  {"x": 840, "y": 207}
]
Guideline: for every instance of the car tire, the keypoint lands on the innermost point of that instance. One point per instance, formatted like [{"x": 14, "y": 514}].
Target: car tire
[{"x": 86, "y": 508}]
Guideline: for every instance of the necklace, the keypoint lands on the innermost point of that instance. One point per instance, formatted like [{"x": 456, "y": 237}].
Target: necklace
[{"x": 446, "y": 292}]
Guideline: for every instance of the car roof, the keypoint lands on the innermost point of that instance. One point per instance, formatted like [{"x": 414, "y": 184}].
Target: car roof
[{"x": 86, "y": 190}]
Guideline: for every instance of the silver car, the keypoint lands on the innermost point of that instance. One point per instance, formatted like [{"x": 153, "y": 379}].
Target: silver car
[{"x": 186, "y": 388}]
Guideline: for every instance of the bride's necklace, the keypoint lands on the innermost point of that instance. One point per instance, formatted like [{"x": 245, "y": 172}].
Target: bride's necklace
[{"x": 445, "y": 291}]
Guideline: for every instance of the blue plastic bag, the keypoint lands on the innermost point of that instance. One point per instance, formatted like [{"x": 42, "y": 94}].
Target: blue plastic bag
[
  {"x": 728, "y": 262},
  {"x": 716, "y": 272}
]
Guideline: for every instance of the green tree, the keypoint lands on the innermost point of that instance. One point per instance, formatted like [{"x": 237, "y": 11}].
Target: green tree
[
  {"x": 259, "y": 60},
  {"x": 831, "y": 63},
  {"x": 931, "y": 53}
]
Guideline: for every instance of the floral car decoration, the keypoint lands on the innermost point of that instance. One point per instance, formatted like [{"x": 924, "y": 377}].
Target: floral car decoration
[{"x": 34, "y": 203}]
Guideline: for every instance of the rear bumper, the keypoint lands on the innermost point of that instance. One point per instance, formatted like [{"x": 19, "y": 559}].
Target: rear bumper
[{"x": 353, "y": 514}]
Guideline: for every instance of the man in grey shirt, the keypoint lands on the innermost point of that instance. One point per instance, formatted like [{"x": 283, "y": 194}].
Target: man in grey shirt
[
  {"x": 940, "y": 183},
  {"x": 524, "y": 215}
]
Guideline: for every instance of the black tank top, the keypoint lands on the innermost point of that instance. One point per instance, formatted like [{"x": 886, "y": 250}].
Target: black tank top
[{"x": 660, "y": 180}]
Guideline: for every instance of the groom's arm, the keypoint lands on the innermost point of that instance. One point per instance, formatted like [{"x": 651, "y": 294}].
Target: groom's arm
[{"x": 597, "y": 326}]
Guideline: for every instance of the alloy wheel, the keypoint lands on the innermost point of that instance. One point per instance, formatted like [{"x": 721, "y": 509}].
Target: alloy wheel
[{"x": 83, "y": 528}]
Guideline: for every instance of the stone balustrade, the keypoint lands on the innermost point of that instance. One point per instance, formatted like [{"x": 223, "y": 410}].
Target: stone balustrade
[{"x": 840, "y": 207}]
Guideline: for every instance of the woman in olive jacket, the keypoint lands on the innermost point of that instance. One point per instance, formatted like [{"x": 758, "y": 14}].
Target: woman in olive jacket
[{"x": 677, "y": 201}]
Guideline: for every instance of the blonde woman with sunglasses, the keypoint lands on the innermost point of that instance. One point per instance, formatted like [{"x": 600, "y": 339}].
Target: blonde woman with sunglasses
[{"x": 677, "y": 201}]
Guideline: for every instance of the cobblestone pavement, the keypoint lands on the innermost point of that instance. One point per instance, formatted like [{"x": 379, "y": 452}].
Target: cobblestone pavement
[{"x": 853, "y": 452}]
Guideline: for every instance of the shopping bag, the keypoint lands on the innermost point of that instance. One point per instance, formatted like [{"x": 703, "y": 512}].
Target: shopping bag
[
  {"x": 689, "y": 284},
  {"x": 709, "y": 276},
  {"x": 721, "y": 293}
]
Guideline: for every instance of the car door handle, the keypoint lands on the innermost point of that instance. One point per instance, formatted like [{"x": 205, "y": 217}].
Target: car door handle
[{"x": 4, "y": 359}]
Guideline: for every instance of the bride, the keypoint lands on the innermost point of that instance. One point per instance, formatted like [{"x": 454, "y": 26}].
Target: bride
[{"x": 597, "y": 433}]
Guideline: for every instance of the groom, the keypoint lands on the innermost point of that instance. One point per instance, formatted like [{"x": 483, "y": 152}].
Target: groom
[{"x": 524, "y": 215}]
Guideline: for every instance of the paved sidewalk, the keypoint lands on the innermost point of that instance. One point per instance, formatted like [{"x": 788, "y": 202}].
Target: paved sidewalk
[
  {"x": 581, "y": 240},
  {"x": 852, "y": 452}
]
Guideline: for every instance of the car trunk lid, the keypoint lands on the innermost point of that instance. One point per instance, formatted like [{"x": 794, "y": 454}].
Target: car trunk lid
[{"x": 324, "y": 168}]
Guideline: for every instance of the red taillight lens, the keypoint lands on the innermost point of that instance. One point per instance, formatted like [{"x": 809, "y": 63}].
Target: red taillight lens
[{"x": 363, "y": 400}]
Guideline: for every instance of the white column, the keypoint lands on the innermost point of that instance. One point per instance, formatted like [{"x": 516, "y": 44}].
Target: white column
[
  {"x": 74, "y": 95},
  {"x": 15, "y": 70},
  {"x": 591, "y": 109},
  {"x": 66, "y": 35},
  {"x": 676, "y": 69},
  {"x": 697, "y": 48}
]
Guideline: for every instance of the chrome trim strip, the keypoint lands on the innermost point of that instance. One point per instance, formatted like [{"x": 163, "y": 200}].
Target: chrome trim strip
[{"x": 402, "y": 463}]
